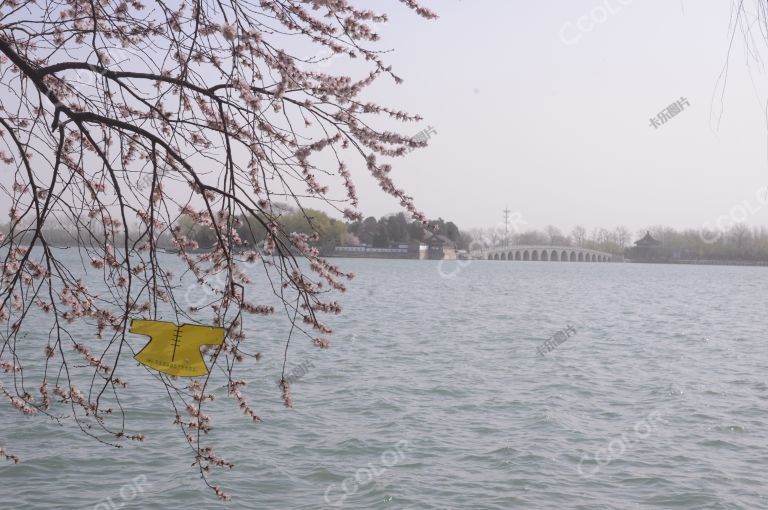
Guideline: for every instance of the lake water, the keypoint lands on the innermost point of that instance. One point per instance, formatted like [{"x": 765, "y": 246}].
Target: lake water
[{"x": 433, "y": 396}]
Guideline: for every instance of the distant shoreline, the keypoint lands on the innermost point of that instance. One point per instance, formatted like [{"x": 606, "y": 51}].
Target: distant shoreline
[
  {"x": 759, "y": 263},
  {"x": 703, "y": 262},
  {"x": 398, "y": 256}
]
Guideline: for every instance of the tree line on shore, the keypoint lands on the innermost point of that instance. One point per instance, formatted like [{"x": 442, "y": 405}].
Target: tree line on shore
[
  {"x": 396, "y": 229},
  {"x": 739, "y": 243},
  {"x": 611, "y": 241},
  {"x": 387, "y": 231}
]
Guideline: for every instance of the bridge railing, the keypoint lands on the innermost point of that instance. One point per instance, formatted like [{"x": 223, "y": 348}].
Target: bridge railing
[{"x": 544, "y": 253}]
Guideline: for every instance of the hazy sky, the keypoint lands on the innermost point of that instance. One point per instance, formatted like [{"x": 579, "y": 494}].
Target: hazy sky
[
  {"x": 533, "y": 114},
  {"x": 544, "y": 107}
]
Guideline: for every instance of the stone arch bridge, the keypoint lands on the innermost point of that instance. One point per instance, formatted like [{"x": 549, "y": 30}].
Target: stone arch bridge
[{"x": 543, "y": 253}]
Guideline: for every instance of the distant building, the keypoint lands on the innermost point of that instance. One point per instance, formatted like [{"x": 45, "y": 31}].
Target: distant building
[
  {"x": 435, "y": 247},
  {"x": 647, "y": 249},
  {"x": 440, "y": 247},
  {"x": 414, "y": 250}
]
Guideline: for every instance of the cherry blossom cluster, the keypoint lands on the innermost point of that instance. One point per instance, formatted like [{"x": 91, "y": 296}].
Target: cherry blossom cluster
[{"x": 133, "y": 124}]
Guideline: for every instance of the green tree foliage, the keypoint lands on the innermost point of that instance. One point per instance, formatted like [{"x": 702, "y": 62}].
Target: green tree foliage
[
  {"x": 396, "y": 229},
  {"x": 331, "y": 232}
]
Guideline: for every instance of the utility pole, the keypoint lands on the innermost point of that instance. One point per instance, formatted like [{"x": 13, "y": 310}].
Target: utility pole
[{"x": 506, "y": 226}]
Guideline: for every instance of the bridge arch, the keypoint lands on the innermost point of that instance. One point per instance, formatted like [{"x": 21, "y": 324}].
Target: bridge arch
[{"x": 544, "y": 254}]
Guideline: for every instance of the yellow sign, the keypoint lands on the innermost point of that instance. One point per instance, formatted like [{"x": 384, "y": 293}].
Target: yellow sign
[{"x": 173, "y": 349}]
